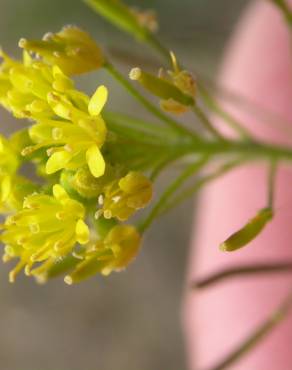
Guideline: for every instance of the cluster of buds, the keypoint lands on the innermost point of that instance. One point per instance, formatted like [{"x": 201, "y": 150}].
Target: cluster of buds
[{"x": 76, "y": 215}]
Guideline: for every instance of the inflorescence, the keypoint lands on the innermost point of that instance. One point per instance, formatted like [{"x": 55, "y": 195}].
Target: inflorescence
[{"x": 71, "y": 218}]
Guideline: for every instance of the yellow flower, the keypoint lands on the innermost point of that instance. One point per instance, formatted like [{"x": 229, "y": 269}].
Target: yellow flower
[
  {"x": 113, "y": 253},
  {"x": 25, "y": 86},
  {"x": 12, "y": 186},
  {"x": 48, "y": 227},
  {"x": 9, "y": 162},
  {"x": 8, "y": 166},
  {"x": 123, "y": 197},
  {"x": 69, "y": 122},
  {"x": 71, "y": 49},
  {"x": 76, "y": 143}
]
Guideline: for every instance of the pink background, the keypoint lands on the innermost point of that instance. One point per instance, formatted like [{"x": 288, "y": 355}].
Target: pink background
[{"x": 258, "y": 66}]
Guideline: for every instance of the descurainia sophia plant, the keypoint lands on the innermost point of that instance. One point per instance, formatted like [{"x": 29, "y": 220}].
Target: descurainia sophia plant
[{"x": 96, "y": 169}]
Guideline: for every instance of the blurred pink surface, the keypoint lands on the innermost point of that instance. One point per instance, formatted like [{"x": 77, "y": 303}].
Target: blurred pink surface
[{"x": 258, "y": 66}]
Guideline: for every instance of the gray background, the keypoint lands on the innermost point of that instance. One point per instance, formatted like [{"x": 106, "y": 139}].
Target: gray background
[{"x": 131, "y": 320}]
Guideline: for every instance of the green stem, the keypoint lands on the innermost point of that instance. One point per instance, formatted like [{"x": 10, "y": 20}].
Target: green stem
[
  {"x": 284, "y": 7},
  {"x": 227, "y": 117},
  {"x": 206, "y": 122},
  {"x": 188, "y": 172},
  {"x": 260, "y": 333},
  {"x": 177, "y": 126},
  {"x": 240, "y": 271},
  {"x": 164, "y": 163},
  {"x": 191, "y": 190},
  {"x": 272, "y": 183},
  {"x": 152, "y": 41},
  {"x": 252, "y": 149}
]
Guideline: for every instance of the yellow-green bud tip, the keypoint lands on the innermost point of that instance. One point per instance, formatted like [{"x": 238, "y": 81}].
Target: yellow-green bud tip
[
  {"x": 41, "y": 279},
  {"x": 22, "y": 43},
  {"x": 68, "y": 280},
  {"x": 223, "y": 247},
  {"x": 135, "y": 74},
  {"x": 11, "y": 277}
]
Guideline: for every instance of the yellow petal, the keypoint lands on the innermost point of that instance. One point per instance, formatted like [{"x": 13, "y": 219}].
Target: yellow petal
[
  {"x": 82, "y": 232},
  {"x": 61, "y": 107},
  {"x": 57, "y": 161},
  {"x": 98, "y": 101},
  {"x": 59, "y": 192},
  {"x": 95, "y": 161},
  {"x": 5, "y": 187}
]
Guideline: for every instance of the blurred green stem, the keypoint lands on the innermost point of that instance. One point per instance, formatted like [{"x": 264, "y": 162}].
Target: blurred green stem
[
  {"x": 227, "y": 117},
  {"x": 191, "y": 170},
  {"x": 272, "y": 183},
  {"x": 284, "y": 7},
  {"x": 203, "y": 118},
  {"x": 200, "y": 183},
  {"x": 242, "y": 271},
  {"x": 260, "y": 333}
]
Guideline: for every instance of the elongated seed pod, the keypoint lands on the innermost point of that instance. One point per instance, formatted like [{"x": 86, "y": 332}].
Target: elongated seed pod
[
  {"x": 160, "y": 87},
  {"x": 249, "y": 232}
]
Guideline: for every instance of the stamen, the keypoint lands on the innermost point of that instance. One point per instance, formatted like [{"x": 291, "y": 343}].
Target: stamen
[
  {"x": 22, "y": 43},
  {"x": 101, "y": 200},
  {"x": 116, "y": 199},
  {"x": 57, "y": 133},
  {"x": 68, "y": 280},
  {"x": 34, "y": 228},
  {"x": 107, "y": 214},
  {"x": 135, "y": 74}
]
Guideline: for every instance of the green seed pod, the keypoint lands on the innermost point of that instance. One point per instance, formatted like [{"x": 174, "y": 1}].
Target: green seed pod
[
  {"x": 160, "y": 87},
  {"x": 249, "y": 232}
]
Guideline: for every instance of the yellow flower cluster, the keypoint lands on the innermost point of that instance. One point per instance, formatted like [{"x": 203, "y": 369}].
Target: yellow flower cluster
[
  {"x": 12, "y": 186},
  {"x": 8, "y": 167},
  {"x": 68, "y": 136},
  {"x": 46, "y": 228},
  {"x": 68, "y": 124}
]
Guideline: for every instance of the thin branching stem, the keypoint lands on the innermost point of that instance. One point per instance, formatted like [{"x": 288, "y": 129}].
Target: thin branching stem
[
  {"x": 284, "y": 7},
  {"x": 215, "y": 107},
  {"x": 259, "y": 333},
  {"x": 190, "y": 170},
  {"x": 243, "y": 271},
  {"x": 199, "y": 184},
  {"x": 272, "y": 183},
  {"x": 204, "y": 119}
]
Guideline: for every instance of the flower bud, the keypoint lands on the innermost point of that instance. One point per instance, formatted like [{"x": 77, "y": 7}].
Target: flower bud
[
  {"x": 124, "y": 196},
  {"x": 113, "y": 253},
  {"x": 160, "y": 87},
  {"x": 71, "y": 49}
]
